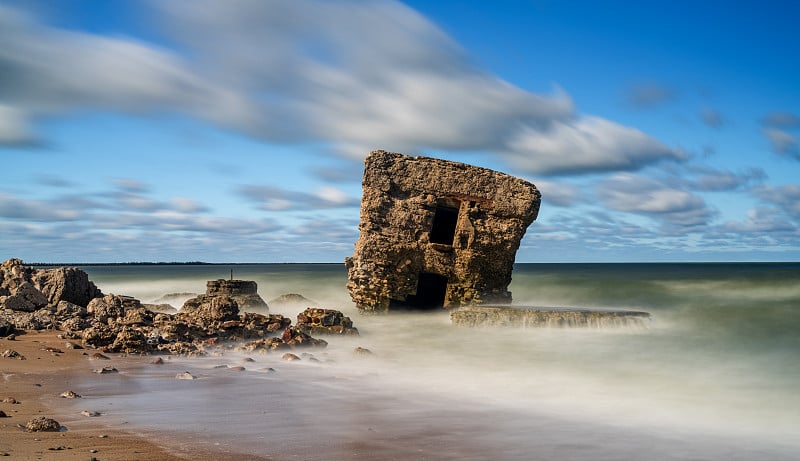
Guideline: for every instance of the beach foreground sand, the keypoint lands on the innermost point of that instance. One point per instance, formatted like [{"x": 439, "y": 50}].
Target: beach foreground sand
[{"x": 37, "y": 383}]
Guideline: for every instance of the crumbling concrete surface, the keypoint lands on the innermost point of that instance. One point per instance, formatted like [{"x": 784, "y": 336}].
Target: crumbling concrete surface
[{"x": 436, "y": 233}]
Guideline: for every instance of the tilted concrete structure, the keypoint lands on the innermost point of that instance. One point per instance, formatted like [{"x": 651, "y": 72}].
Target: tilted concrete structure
[{"x": 436, "y": 233}]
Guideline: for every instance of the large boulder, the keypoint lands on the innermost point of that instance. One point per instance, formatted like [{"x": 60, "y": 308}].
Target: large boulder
[
  {"x": 325, "y": 322},
  {"x": 25, "y": 298},
  {"x": 208, "y": 310},
  {"x": 66, "y": 284},
  {"x": 111, "y": 307},
  {"x": 25, "y": 289},
  {"x": 130, "y": 341},
  {"x": 99, "y": 335}
]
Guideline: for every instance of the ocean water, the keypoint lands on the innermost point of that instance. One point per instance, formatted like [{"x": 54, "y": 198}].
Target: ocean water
[{"x": 714, "y": 376}]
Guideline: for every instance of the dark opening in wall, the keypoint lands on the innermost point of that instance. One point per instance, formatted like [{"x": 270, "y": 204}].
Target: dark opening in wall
[
  {"x": 444, "y": 224},
  {"x": 431, "y": 291}
]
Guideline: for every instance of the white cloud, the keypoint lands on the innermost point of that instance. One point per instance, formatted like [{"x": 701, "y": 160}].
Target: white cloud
[
  {"x": 589, "y": 144},
  {"x": 12, "y": 207},
  {"x": 358, "y": 75},
  {"x": 558, "y": 193},
  {"x": 636, "y": 194},
  {"x": 783, "y": 142},
  {"x": 649, "y": 94},
  {"x": 786, "y": 197},
  {"x": 14, "y": 126},
  {"x": 278, "y": 199}
]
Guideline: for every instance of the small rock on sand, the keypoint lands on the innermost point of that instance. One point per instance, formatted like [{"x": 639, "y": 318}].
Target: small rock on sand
[
  {"x": 3, "y": 414},
  {"x": 158, "y": 361},
  {"x": 42, "y": 424},
  {"x": 106, "y": 370},
  {"x": 185, "y": 375},
  {"x": 70, "y": 395},
  {"x": 100, "y": 356},
  {"x": 12, "y": 354},
  {"x": 90, "y": 413},
  {"x": 10, "y": 400},
  {"x": 289, "y": 357}
]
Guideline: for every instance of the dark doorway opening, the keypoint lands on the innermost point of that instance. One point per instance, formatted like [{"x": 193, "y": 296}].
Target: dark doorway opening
[
  {"x": 431, "y": 291},
  {"x": 444, "y": 224}
]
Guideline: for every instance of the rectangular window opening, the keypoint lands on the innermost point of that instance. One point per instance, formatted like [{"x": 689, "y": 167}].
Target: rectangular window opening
[{"x": 444, "y": 224}]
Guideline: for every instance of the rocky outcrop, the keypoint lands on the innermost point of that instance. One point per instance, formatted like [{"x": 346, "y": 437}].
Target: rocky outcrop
[
  {"x": 521, "y": 316},
  {"x": 316, "y": 321},
  {"x": 244, "y": 292},
  {"x": 25, "y": 289},
  {"x": 210, "y": 309},
  {"x": 116, "y": 323},
  {"x": 436, "y": 233},
  {"x": 66, "y": 284}
]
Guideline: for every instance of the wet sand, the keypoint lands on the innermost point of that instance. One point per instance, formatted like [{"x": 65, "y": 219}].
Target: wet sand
[
  {"x": 37, "y": 382},
  {"x": 363, "y": 409}
]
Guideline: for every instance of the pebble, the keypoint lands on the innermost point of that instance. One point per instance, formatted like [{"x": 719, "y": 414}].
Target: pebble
[
  {"x": 70, "y": 395},
  {"x": 12, "y": 354},
  {"x": 90, "y": 413},
  {"x": 362, "y": 351},
  {"x": 100, "y": 356},
  {"x": 106, "y": 370},
  {"x": 185, "y": 375}
]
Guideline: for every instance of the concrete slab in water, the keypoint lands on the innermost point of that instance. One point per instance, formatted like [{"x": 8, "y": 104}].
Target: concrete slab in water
[{"x": 558, "y": 317}]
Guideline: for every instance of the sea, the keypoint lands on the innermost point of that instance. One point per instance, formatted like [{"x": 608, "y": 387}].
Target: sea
[{"x": 714, "y": 374}]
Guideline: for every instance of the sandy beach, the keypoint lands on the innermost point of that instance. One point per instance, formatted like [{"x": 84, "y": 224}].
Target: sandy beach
[{"x": 36, "y": 383}]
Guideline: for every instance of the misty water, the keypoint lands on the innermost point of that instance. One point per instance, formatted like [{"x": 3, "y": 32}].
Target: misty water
[{"x": 715, "y": 375}]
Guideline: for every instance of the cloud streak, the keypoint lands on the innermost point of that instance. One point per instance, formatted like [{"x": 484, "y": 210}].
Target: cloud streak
[{"x": 356, "y": 75}]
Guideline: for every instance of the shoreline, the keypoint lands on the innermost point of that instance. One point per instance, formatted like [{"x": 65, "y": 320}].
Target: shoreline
[{"x": 37, "y": 382}]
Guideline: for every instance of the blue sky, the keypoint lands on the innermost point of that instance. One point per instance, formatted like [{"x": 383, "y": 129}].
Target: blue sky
[{"x": 235, "y": 131}]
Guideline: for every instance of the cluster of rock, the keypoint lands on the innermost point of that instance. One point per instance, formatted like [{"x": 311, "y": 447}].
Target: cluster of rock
[
  {"x": 325, "y": 322},
  {"x": 114, "y": 323},
  {"x": 27, "y": 290}
]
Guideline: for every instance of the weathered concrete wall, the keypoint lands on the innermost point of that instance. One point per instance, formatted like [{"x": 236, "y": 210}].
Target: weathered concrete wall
[
  {"x": 451, "y": 222},
  {"x": 553, "y": 317},
  {"x": 244, "y": 292}
]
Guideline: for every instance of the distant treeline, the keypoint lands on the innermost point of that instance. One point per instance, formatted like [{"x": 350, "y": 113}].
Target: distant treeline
[{"x": 134, "y": 263}]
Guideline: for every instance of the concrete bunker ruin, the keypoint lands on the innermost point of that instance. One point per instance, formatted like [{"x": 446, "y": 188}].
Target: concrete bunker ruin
[{"x": 436, "y": 233}]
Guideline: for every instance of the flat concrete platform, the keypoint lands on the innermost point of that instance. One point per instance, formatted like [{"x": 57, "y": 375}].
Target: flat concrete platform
[{"x": 548, "y": 317}]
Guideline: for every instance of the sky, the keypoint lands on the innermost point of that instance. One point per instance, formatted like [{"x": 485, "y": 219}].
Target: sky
[{"x": 235, "y": 130}]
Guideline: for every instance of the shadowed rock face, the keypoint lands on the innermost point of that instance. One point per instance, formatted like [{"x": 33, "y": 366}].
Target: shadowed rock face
[{"x": 435, "y": 233}]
